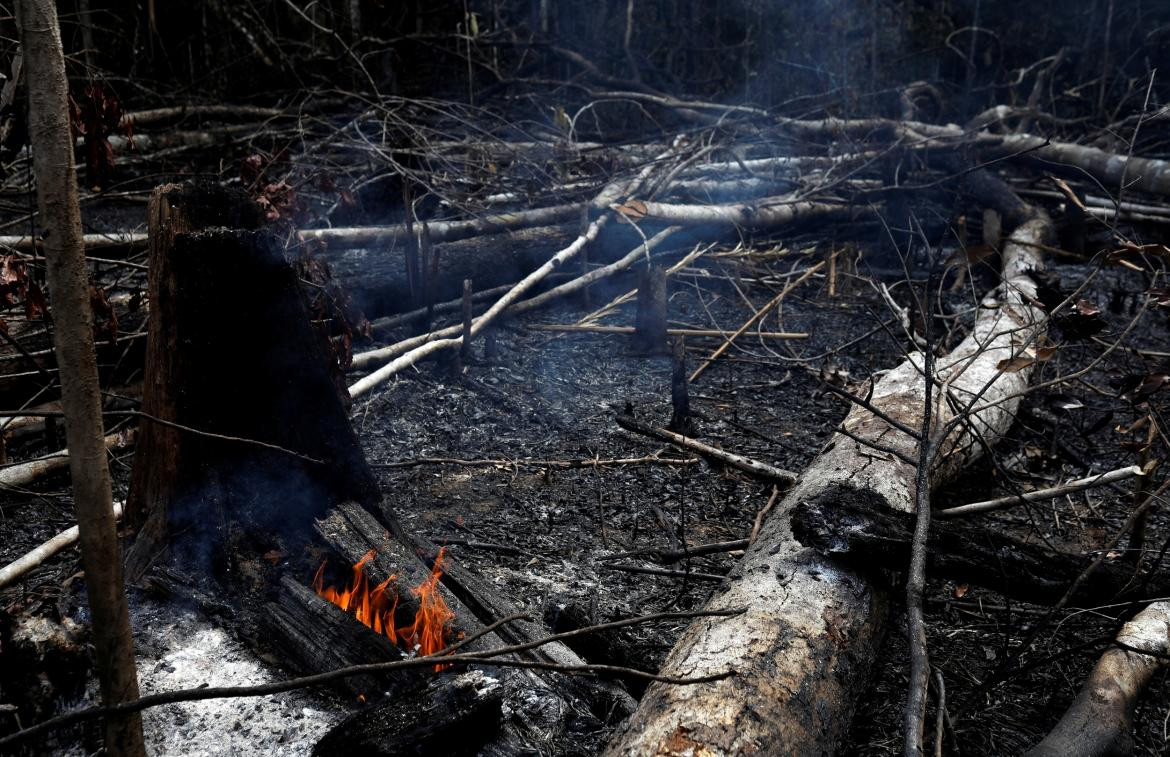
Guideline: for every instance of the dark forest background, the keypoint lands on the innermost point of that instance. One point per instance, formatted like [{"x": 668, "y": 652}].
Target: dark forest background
[{"x": 795, "y": 57}]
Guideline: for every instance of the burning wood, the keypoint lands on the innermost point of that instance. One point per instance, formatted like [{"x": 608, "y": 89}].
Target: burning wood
[{"x": 375, "y": 607}]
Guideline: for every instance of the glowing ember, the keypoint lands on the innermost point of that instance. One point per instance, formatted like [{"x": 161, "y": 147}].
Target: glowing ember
[{"x": 375, "y": 606}]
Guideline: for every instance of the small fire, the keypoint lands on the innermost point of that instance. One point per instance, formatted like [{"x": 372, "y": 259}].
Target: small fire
[{"x": 374, "y": 606}]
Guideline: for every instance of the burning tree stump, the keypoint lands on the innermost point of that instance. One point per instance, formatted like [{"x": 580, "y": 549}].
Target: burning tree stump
[
  {"x": 248, "y": 421},
  {"x": 247, "y": 464}
]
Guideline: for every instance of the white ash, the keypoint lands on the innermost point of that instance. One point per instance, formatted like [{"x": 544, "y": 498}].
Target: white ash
[{"x": 180, "y": 649}]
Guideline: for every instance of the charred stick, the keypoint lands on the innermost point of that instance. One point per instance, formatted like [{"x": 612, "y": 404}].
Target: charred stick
[
  {"x": 465, "y": 347},
  {"x": 664, "y": 572},
  {"x": 674, "y": 555},
  {"x": 650, "y": 320},
  {"x": 589, "y": 462},
  {"x": 746, "y": 464},
  {"x": 697, "y": 333},
  {"x": 680, "y": 419},
  {"x": 429, "y": 259}
]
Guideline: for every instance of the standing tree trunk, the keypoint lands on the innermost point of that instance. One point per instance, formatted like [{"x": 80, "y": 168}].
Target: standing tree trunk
[{"x": 56, "y": 182}]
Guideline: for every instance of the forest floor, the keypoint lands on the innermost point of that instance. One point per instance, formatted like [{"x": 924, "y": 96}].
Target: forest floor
[{"x": 545, "y": 535}]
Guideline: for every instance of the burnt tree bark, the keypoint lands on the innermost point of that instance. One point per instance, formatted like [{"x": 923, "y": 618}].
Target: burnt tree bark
[
  {"x": 56, "y": 180},
  {"x": 252, "y": 426}
]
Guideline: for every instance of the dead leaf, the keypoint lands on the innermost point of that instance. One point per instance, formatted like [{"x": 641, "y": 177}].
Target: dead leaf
[
  {"x": 1030, "y": 357},
  {"x": 1144, "y": 386},
  {"x": 632, "y": 209}
]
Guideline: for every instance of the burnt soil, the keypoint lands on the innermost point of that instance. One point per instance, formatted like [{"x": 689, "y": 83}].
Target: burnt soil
[{"x": 548, "y": 535}]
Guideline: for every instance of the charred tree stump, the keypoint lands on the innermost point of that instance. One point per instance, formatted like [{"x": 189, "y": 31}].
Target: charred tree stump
[
  {"x": 650, "y": 327},
  {"x": 681, "y": 421},
  {"x": 249, "y": 422}
]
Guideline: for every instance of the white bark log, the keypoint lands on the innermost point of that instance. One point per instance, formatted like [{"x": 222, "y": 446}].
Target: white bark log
[
  {"x": 803, "y": 648},
  {"x": 1100, "y": 719},
  {"x": 37, "y": 556}
]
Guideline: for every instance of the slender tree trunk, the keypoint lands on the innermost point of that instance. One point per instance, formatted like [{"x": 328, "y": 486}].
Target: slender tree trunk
[{"x": 56, "y": 181}]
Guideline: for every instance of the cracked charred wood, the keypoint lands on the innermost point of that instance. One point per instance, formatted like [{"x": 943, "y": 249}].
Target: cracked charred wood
[
  {"x": 650, "y": 319},
  {"x": 480, "y": 598},
  {"x": 456, "y": 714},
  {"x": 1100, "y": 719},
  {"x": 865, "y": 534},
  {"x": 232, "y": 364},
  {"x": 802, "y": 652},
  {"x": 314, "y": 636},
  {"x": 542, "y": 707}
]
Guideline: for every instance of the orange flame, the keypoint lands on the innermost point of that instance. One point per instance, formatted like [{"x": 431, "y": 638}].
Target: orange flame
[{"x": 374, "y": 607}]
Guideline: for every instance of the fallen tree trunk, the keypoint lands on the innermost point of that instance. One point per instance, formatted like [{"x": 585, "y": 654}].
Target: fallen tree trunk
[
  {"x": 803, "y": 650},
  {"x": 1100, "y": 720}
]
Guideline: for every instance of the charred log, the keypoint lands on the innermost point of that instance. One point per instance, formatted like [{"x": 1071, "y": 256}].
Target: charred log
[
  {"x": 314, "y": 636},
  {"x": 864, "y": 534}
]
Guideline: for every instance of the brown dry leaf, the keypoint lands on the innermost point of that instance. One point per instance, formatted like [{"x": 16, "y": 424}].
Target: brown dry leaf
[
  {"x": 1014, "y": 364},
  {"x": 1137, "y": 425},
  {"x": 1068, "y": 192},
  {"x": 633, "y": 209},
  {"x": 1133, "y": 256},
  {"x": 273, "y": 556},
  {"x": 1031, "y": 356}
]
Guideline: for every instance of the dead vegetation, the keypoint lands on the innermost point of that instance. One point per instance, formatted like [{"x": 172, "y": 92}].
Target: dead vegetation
[{"x": 742, "y": 403}]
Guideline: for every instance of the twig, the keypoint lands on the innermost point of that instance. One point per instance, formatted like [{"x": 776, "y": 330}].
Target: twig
[
  {"x": 674, "y": 555},
  {"x": 755, "y": 317},
  {"x": 626, "y": 568},
  {"x": 763, "y": 513},
  {"x": 698, "y": 333},
  {"x": 746, "y": 464},
  {"x": 589, "y": 462},
  {"x": 1071, "y": 487}
]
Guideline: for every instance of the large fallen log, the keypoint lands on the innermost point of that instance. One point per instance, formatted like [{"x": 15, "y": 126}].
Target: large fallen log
[
  {"x": 803, "y": 650},
  {"x": 1100, "y": 719}
]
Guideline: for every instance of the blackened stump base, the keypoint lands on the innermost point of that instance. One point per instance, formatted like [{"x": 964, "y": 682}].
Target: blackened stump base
[{"x": 231, "y": 353}]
